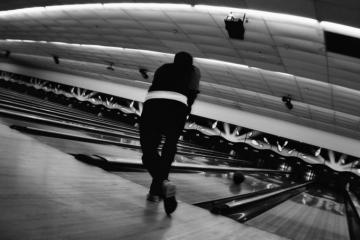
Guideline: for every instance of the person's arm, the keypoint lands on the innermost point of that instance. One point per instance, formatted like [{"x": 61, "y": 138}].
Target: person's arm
[
  {"x": 157, "y": 78},
  {"x": 191, "y": 97},
  {"x": 193, "y": 88}
]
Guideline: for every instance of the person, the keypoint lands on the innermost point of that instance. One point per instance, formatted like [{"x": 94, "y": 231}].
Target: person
[{"x": 169, "y": 100}]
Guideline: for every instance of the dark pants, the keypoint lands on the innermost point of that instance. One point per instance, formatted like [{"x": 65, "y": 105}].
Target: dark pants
[{"x": 160, "y": 117}]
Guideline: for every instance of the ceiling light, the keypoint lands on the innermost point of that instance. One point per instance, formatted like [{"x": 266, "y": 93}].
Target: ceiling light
[
  {"x": 13, "y": 40},
  {"x": 287, "y": 100},
  {"x": 20, "y": 12},
  {"x": 284, "y": 74},
  {"x": 237, "y": 132},
  {"x": 57, "y": 43},
  {"x": 29, "y": 41},
  {"x": 217, "y": 62},
  {"x": 341, "y": 29},
  {"x": 291, "y": 151},
  {"x": 88, "y": 6},
  {"x": 317, "y": 153},
  {"x": 56, "y": 59},
  {"x": 110, "y": 67},
  {"x": 143, "y": 73},
  {"x": 254, "y": 142},
  {"x": 148, "y": 6}
]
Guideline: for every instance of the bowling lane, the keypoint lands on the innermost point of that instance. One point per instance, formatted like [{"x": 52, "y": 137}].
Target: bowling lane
[
  {"x": 9, "y": 122},
  {"x": 309, "y": 215},
  {"x": 197, "y": 158},
  {"x": 279, "y": 179},
  {"x": 199, "y": 154},
  {"x": 193, "y": 187},
  {"x": 74, "y": 113},
  {"x": 199, "y": 187}
]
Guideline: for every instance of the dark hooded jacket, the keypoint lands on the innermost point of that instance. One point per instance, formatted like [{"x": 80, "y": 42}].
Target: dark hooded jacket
[{"x": 181, "y": 77}]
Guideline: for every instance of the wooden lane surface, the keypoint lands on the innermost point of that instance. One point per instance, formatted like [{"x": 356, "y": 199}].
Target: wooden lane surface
[
  {"x": 31, "y": 100},
  {"x": 324, "y": 219},
  {"x": 100, "y": 137},
  {"x": 103, "y": 135},
  {"x": 10, "y": 121},
  {"x": 46, "y": 194},
  {"x": 192, "y": 188},
  {"x": 109, "y": 150},
  {"x": 183, "y": 155},
  {"x": 34, "y": 101}
]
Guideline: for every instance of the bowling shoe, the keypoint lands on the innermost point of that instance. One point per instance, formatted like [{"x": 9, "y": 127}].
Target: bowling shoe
[{"x": 169, "y": 192}]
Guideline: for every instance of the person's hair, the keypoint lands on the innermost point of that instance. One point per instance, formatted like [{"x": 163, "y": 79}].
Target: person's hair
[{"x": 183, "y": 58}]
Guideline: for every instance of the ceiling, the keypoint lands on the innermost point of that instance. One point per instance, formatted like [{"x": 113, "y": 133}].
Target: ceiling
[
  {"x": 343, "y": 12},
  {"x": 280, "y": 55}
]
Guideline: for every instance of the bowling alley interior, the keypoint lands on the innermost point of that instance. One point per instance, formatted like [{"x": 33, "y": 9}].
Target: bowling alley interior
[{"x": 270, "y": 149}]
